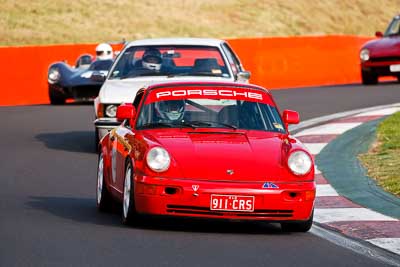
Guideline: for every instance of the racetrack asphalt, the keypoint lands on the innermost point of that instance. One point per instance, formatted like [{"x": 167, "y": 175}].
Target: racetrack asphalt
[
  {"x": 320, "y": 101},
  {"x": 49, "y": 218}
]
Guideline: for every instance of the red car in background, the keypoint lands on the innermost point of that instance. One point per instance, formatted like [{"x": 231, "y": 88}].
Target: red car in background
[
  {"x": 207, "y": 149},
  {"x": 381, "y": 57}
]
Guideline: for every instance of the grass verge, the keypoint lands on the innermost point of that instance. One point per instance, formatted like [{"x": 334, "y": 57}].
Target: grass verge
[
  {"x": 383, "y": 159},
  {"x": 31, "y": 22}
]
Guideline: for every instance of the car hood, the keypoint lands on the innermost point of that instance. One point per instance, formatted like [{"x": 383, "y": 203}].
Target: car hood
[
  {"x": 120, "y": 91},
  {"x": 82, "y": 77},
  {"x": 386, "y": 46},
  {"x": 213, "y": 155}
]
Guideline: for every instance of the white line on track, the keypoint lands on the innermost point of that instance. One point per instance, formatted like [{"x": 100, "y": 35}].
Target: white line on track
[
  {"x": 391, "y": 244},
  {"x": 315, "y": 148},
  {"x": 316, "y": 170},
  {"x": 323, "y": 119},
  {"x": 326, "y": 190},
  {"x": 383, "y": 112},
  {"x": 330, "y": 128},
  {"x": 349, "y": 214}
]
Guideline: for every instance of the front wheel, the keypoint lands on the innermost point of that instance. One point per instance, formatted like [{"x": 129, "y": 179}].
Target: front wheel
[
  {"x": 103, "y": 197},
  {"x": 55, "y": 99},
  {"x": 368, "y": 78},
  {"x": 129, "y": 214},
  {"x": 96, "y": 140},
  {"x": 298, "y": 226}
]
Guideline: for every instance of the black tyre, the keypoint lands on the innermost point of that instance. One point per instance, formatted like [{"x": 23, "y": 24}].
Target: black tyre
[
  {"x": 368, "y": 78},
  {"x": 56, "y": 99},
  {"x": 96, "y": 140},
  {"x": 129, "y": 214},
  {"x": 298, "y": 226},
  {"x": 103, "y": 197}
]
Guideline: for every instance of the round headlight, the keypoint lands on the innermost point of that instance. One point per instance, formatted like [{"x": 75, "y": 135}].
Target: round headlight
[
  {"x": 364, "y": 54},
  {"x": 111, "y": 111},
  {"x": 299, "y": 162},
  {"x": 158, "y": 159},
  {"x": 54, "y": 75}
]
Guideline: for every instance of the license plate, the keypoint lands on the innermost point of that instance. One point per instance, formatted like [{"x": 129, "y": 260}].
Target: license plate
[
  {"x": 395, "y": 68},
  {"x": 232, "y": 203}
]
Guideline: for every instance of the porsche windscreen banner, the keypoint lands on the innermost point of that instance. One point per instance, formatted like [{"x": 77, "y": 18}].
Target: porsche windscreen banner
[{"x": 208, "y": 92}]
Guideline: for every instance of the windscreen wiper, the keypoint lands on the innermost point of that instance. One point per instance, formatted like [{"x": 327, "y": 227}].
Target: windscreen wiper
[
  {"x": 206, "y": 74},
  {"x": 171, "y": 75},
  {"x": 156, "y": 125},
  {"x": 195, "y": 124},
  {"x": 192, "y": 124},
  {"x": 209, "y": 123},
  {"x": 135, "y": 75},
  {"x": 227, "y": 125},
  {"x": 167, "y": 125}
]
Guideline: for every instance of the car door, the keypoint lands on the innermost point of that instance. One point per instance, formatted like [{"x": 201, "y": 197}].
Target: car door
[
  {"x": 113, "y": 158},
  {"x": 122, "y": 146}
]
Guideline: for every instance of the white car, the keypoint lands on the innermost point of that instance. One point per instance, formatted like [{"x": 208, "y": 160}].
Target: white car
[{"x": 145, "y": 62}]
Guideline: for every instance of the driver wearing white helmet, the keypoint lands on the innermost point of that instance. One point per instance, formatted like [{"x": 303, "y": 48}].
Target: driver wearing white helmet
[
  {"x": 170, "y": 110},
  {"x": 104, "y": 51}
]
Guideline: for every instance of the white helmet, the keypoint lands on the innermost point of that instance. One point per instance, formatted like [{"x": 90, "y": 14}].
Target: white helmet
[
  {"x": 170, "y": 110},
  {"x": 104, "y": 51},
  {"x": 151, "y": 59}
]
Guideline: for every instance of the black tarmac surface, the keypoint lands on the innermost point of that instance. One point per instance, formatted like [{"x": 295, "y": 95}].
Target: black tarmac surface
[{"x": 48, "y": 215}]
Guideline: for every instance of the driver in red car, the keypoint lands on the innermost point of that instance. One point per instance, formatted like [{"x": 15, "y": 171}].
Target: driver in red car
[{"x": 170, "y": 110}]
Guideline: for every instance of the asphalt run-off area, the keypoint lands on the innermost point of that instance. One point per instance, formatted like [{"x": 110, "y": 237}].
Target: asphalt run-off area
[{"x": 49, "y": 215}]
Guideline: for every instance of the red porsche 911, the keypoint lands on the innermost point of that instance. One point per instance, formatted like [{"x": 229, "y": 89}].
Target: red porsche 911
[
  {"x": 211, "y": 150},
  {"x": 381, "y": 57}
]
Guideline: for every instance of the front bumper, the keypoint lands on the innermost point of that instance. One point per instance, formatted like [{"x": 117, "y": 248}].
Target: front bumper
[
  {"x": 104, "y": 125},
  {"x": 380, "y": 68},
  {"x": 176, "y": 197},
  {"x": 84, "y": 92}
]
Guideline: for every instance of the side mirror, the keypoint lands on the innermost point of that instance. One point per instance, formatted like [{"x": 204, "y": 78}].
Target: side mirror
[
  {"x": 98, "y": 76},
  {"x": 243, "y": 75},
  {"x": 290, "y": 117},
  {"x": 126, "y": 112},
  {"x": 379, "y": 34}
]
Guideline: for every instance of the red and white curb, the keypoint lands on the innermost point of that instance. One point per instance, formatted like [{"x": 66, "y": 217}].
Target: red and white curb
[{"x": 338, "y": 212}]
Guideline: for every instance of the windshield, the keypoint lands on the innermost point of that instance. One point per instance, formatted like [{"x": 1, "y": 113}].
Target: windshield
[
  {"x": 101, "y": 65},
  {"x": 394, "y": 28},
  {"x": 210, "y": 113},
  {"x": 139, "y": 61}
]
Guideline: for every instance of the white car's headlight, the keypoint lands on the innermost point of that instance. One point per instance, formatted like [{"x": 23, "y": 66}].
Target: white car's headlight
[
  {"x": 54, "y": 75},
  {"x": 158, "y": 159},
  {"x": 111, "y": 111},
  {"x": 299, "y": 162},
  {"x": 364, "y": 54}
]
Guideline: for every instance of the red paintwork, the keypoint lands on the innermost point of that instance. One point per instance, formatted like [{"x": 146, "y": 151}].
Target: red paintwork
[
  {"x": 290, "y": 117},
  {"x": 384, "y": 47},
  {"x": 125, "y": 111},
  {"x": 201, "y": 157},
  {"x": 384, "y": 51}
]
